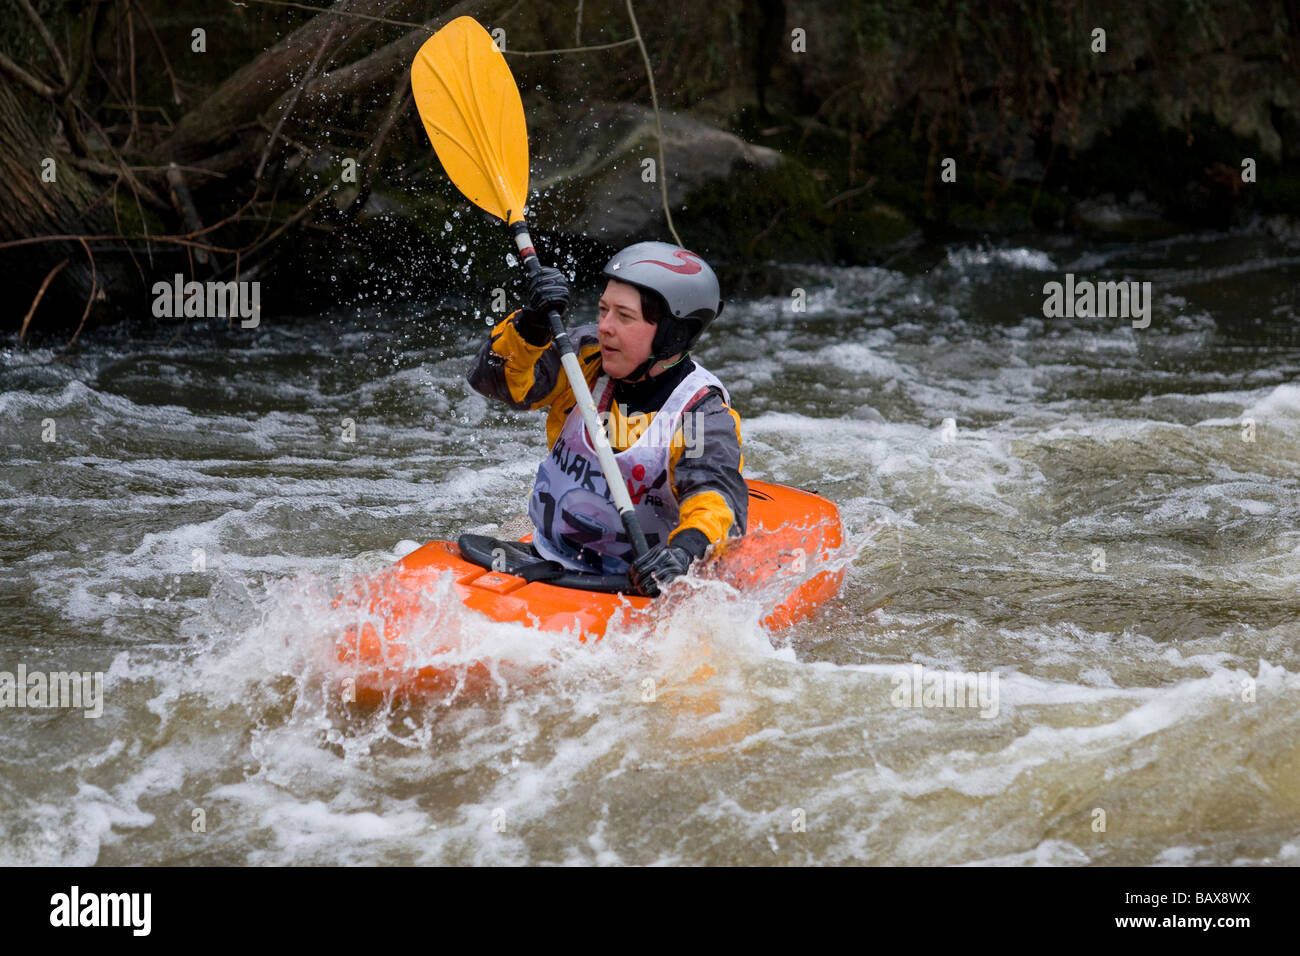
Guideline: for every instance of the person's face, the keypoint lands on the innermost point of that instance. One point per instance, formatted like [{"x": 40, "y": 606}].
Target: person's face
[{"x": 624, "y": 334}]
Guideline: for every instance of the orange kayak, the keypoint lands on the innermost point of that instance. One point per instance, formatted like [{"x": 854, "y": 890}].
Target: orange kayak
[{"x": 395, "y": 640}]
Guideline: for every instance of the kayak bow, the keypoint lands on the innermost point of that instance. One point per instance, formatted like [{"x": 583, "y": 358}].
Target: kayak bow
[{"x": 792, "y": 534}]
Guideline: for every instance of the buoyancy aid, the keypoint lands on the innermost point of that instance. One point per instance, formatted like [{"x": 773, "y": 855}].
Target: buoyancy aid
[{"x": 574, "y": 518}]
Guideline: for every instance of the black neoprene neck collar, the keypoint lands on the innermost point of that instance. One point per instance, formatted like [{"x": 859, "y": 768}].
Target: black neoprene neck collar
[{"x": 650, "y": 395}]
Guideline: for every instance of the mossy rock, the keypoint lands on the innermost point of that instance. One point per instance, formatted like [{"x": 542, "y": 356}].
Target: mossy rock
[
  {"x": 602, "y": 177},
  {"x": 760, "y": 214}
]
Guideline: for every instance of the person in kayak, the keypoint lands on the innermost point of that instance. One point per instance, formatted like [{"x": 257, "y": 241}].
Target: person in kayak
[{"x": 670, "y": 423}]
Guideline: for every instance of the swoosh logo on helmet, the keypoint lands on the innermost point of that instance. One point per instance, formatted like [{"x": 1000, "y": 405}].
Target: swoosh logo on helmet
[{"x": 687, "y": 268}]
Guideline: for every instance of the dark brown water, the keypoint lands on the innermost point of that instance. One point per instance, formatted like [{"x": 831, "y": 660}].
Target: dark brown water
[{"x": 1105, "y": 538}]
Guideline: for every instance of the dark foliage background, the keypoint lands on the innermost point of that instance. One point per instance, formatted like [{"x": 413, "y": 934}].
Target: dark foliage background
[{"x": 860, "y": 102}]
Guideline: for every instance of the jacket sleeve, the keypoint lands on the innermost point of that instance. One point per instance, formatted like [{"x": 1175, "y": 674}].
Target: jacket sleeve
[
  {"x": 526, "y": 376},
  {"x": 705, "y": 469}
]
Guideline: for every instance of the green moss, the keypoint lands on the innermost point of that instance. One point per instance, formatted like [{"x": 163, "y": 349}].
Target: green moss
[
  {"x": 758, "y": 214},
  {"x": 859, "y": 235},
  {"x": 130, "y": 221}
]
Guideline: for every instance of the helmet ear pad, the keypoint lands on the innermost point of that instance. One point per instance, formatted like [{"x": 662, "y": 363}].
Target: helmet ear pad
[
  {"x": 668, "y": 337},
  {"x": 678, "y": 335}
]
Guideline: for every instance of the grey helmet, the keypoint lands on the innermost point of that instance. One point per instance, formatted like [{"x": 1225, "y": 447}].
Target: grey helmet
[{"x": 683, "y": 280}]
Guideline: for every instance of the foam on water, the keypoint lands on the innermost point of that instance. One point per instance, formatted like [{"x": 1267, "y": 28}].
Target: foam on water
[
  {"x": 265, "y": 680},
  {"x": 977, "y": 261},
  {"x": 1093, "y": 529}
]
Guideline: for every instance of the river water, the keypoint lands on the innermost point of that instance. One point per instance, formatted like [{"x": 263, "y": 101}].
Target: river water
[{"x": 1104, "y": 539}]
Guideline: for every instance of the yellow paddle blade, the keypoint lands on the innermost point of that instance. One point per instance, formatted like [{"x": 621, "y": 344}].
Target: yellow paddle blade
[{"x": 471, "y": 110}]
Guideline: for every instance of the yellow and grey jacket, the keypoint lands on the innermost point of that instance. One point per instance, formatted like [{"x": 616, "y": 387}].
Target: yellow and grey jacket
[{"x": 705, "y": 460}]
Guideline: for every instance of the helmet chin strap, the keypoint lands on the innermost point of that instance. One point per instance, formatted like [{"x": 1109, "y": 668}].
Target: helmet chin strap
[
  {"x": 640, "y": 372},
  {"x": 678, "y": 362},
  {"x": 663, "y": 341}
]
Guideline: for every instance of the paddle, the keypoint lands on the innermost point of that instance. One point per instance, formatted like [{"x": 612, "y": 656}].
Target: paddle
[{"x": 472, "y": 112}]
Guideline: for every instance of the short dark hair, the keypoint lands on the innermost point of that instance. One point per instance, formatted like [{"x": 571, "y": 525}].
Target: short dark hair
[{"x": 653, "y": 306}]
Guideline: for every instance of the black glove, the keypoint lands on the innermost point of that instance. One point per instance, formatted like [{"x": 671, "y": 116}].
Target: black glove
[
  {"x": 534, "y": 327},
  {"x": 658, "y": 566},
  {"x": 548, "y": 289}
]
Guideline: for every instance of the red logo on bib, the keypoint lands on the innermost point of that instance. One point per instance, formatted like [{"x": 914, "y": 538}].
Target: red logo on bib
[{"x": 634, "y": 492}]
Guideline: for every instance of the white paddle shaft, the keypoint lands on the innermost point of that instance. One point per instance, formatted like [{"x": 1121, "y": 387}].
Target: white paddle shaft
[{"x": 586, "y": 404}]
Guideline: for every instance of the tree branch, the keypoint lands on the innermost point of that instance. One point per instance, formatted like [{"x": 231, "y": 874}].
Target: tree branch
[
  {"x": 47, "y": 39},
  {"x": 94, "y": 287},
  {"x": 39, "y": 295},
  {"x": 293, "y": 100},
  {"x": 659, "y": 130},
  {"x": 43, "y": 90}
]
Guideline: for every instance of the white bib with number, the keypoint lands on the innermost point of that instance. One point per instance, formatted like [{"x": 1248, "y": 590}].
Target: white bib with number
[{"x": 574, "y": 518}]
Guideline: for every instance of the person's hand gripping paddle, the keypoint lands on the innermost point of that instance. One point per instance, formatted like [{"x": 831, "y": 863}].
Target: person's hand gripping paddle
[{"x": 472, "y": 112}]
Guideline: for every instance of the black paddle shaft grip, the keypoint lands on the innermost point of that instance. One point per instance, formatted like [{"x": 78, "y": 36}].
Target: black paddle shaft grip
[
  {"x": 634, "y": 533},
  {"x": 532, "y": 265}
]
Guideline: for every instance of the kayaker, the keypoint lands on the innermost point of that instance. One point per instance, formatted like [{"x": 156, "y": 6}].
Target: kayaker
[{"x": 683, "y": 473}]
